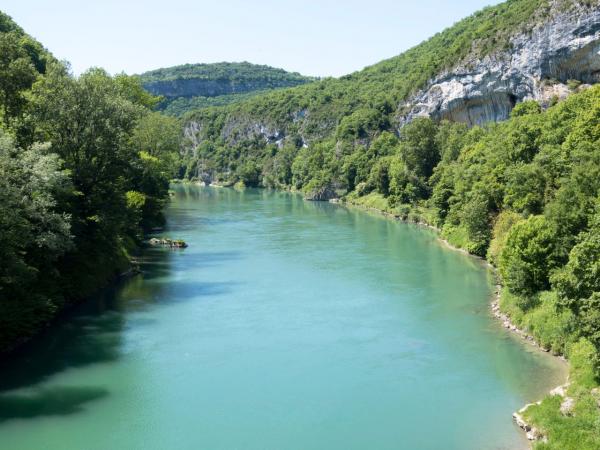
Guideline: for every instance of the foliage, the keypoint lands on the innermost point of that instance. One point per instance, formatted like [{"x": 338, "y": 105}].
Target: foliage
[
  {"x": 159, "y": 136},
  {"x": 237, "y": 72},
  {"x": 34, "y": 234},
  {"x": 195, "y": 86},
  {"x": 71, "y": 207},
  {"x": 579, "y": 429},
  {"x": 179, "y": 106},
  {"x": 578, "y": 283},
  {"x": 504, "y": 222},
  {"x": 361, "y": 104},
  {"x": 528, "y": 256}
]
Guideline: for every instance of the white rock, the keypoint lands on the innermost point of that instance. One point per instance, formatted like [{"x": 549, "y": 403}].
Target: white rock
[
  {"x": 566, "y": 407},
  {"x": 478, "y": 91}
]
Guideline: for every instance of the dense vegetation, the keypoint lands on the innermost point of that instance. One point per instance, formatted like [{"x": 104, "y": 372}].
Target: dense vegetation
[
  {"x": 358, "y": 106},
  {"x": 525, "y": 194},
  {"x": 179, "y": 106},
  {"x": 195, "y": 86},
  {"x": 84, "y": 170},
  {"x": 84, "y": 165}
]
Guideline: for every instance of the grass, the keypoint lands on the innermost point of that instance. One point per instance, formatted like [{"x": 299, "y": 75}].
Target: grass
[
  {"x": 456, "y": 236},
  {"x": 579, "y": 428},
  {"x": 554, "y": 329},
  {"x": 540, "y": 317},
  {"x": 374, "y": 200}
]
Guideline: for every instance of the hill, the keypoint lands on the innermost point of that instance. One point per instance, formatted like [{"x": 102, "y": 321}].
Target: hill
[
  {"x": 489, "y": 132},
  {"x": 84, "y": 171},
  {"x": 475, "y": 71},
  {"x": 195, "y": 86}
]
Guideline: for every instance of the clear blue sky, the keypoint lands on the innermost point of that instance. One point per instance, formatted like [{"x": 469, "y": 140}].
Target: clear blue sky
[{"x": 314, "y": 37}]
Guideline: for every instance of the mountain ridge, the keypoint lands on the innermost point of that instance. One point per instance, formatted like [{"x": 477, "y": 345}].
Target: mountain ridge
[
  {"x": 384, "y": 96},
  {"x": 195, "y": 86}
]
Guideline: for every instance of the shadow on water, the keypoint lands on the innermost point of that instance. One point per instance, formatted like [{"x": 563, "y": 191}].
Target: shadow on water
[
  {"x": 92, "y": 333},
  {"x": 48, "y": 402},
  {"x": 158, "y": 263},
  {"x": 89, "y": 334}
]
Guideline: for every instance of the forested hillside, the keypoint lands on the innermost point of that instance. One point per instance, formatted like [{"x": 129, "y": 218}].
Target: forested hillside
[
  {"x": 195, "y": 86},
  {"x": 84, "y": 170},
  {"x": 524, "y": 193},
  {"x": 344, "y": 114},
  {"x": 85, "y": 164}
]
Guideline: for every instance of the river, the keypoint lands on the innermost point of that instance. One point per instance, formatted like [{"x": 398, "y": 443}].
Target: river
[{"x": 285, "y": 325}]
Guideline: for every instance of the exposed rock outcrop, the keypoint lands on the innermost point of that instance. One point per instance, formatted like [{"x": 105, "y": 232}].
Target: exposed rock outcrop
[
  {"x": 537, "y": 67},
  {"x": 322, "y": 194},
  {"x": 166, "y": 242},
  {"x": 217, "y": 79},
  {"x": 532, "y": 433}
]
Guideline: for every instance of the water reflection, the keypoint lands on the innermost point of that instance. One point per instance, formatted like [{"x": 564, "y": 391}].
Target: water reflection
[
  {"x": 91, "y": 333},
  {"x": 48, "y": 402}
]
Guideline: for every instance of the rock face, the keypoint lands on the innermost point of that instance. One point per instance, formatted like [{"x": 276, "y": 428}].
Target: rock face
[
  {"x": 563, "y": 46},
  {"x": 537, "y": 67},
  {"x": 323, "y": 194},
  {"x": 192, "y": 87},
  {"x": 212, "y": 80},
  {"x": 166, "y": 242}
]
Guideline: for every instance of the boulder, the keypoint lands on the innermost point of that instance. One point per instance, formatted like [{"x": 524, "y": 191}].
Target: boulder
[{"x": 322, "y": 194}]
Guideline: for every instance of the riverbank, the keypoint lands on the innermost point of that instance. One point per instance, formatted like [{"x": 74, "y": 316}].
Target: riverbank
[
  {"x": 126, "y": 268},
  {"x": 310, "y": 317},
  {"x": 532, "y": 432}
]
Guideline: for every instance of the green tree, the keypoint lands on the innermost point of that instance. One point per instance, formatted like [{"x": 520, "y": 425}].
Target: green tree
[
  {"x": 160, "y": 137},
  {"x": 17, "y": 74},
  {"x": 526, "y": 108},
  {"x": 579, "y": 279},
  {"x": 419, "y": 148},
  {"x": 475, "y": 218},
  {"x": 34, "y": 234},
  {"x": 379, "y": 177},
  {"x": 528, "y": 256}
]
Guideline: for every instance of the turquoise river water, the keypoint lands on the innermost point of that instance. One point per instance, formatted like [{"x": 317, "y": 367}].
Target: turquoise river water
[{"x": 285, "y": 325}]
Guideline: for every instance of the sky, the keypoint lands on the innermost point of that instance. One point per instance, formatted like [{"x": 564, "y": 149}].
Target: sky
[{"x": 313, "y": 37}]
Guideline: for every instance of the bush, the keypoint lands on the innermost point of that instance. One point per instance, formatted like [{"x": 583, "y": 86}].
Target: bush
[
  {"x": 528, "y": 257},
  {"x": 502, "y": 225}
]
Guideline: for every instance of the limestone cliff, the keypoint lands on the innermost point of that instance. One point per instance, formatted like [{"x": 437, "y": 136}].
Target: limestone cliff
[
  {"x": 552, "y": 51},
  {"x": 538, "y": 66},
  {"x": 194, "y": 86}
]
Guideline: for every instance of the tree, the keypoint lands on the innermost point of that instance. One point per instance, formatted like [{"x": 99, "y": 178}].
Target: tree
[
  {"x": 419, "y": 148},
  {"x": 90, "y": 121},
  {"x": 502, "y": 225},
  {"x": 17, "y": 74},
  {"x": 528, "y": 256},
  {"x": 379, "y": 177},
  {"x": 34, "y": 234},
  {"x": 160, "y": 137},
  {"x": 450, "y": 139},
  {"x": 525, "y": 108},
  {"x": 405, "y": 186},
  {"x": 249, "y": 174},
  {"x": 475, "y": 217},
  {"x": 579, "y": 280}
]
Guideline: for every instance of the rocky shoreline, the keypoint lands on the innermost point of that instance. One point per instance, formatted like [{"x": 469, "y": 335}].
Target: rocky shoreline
[
  {"x": 532, "y": 433},
  {"x": 166, "y": 242}
]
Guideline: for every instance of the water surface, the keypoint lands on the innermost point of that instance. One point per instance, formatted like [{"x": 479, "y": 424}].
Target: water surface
[{"x": 285, "y": 325}]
